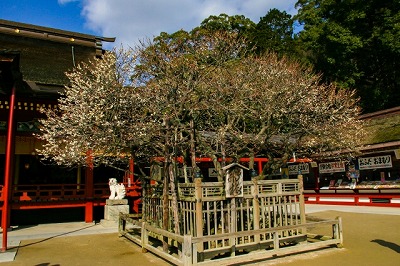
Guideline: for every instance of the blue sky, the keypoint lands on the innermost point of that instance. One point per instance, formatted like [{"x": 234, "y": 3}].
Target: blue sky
[
  {"x": 48, "y": 13},
  {"x": 132, "y": 20}
]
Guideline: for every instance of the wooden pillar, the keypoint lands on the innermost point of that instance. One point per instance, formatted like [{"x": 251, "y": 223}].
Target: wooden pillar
[
  {"x": 260, "y": 167},
  {"x": 233, "y": 226},
  {"x": 131, "y": 169},
  {"x": 187, "y": 250},
  {"x": 144, "y": 235},
  {"x": 199, "y": 215},
  {"x": 10, "y": 152},
  {"x": 256, "y": 209},
  {"x": 302, "y": 203},
  {"x": 89, "y": 188}
]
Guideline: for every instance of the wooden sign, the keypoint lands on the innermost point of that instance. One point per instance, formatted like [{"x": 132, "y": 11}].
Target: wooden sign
[
  {"x": 234, "y": 180},
  {"x": 384, "y": 161},
  {"x": 331, "y": 167}
]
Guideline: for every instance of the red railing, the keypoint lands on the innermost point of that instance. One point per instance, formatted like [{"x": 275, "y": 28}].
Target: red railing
[
  {"x": 359, "y": 197},
  {"x": 59, "y": 192},
  {"x": 54, "y": 192}
]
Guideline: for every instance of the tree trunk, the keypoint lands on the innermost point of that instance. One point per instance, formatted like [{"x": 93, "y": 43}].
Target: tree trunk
[
  {"x": 165, "y": 203},
  {"x": 251, "y": 162},
  {"x": 172, "y": 183},
  {"x": 166, "y": 184},
  {"x": 217, "y": 166},
  {"x": 193, "y": 147}
]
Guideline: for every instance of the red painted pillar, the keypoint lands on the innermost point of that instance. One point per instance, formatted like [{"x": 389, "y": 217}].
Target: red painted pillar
[
  {"x": 5, "y": 214},
  {"x": 89, "y": 188},
  {"x": 131, "y": 169},
  {"x": 134, "y": 187},
  {"x": 260, "y": 167}
]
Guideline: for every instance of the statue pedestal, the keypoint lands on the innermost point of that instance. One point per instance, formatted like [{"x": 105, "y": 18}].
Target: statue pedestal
[{"x": 113, "y": 207}]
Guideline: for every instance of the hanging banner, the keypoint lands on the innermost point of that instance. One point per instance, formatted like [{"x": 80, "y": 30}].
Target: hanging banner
[
  {"x": 331, "y": 167},
  {"x": 295, "y": 169},
  {"x": 376, "y": 162}
]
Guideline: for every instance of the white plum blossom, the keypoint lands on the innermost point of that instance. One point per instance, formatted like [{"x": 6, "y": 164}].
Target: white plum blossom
[{"x": 150, "y": 99}]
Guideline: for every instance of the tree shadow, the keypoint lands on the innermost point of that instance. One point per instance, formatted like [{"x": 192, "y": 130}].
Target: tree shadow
[
  {"x": 58, "y": 235},
  {"x": 387, "y": 244}
]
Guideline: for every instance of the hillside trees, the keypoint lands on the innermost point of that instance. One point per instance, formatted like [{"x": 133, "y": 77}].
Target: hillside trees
[
  {"x": 274, "y": 33},
  {"x": 237, "y": 24},
  {"x": 356, "y": 45}
]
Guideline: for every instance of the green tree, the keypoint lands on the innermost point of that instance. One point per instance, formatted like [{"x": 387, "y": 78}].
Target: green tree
[
  {"x": 355, "y": 43},
  {"x": 274, "y": 33},
  {"x": 237, "y": 24}
]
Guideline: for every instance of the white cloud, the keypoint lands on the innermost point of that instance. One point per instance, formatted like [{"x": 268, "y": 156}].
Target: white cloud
[
  {"x": 133, "y": 20},
  {"x": 63, "y": 2}
]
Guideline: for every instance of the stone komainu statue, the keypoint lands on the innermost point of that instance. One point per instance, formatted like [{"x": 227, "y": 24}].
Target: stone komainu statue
[{"x": 117, "y": 190}]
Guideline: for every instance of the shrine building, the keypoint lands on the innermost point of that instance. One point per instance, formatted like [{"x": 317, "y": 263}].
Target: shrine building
[{"x": 33, "y": 62}]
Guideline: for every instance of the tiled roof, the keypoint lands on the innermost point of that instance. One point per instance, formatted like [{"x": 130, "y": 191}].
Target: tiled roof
[
  {"x": 45, "y": 54},
  {"x": 382, "y": 126}
]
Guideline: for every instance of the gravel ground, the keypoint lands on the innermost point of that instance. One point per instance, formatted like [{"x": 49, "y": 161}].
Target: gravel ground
[{"x": 369, "y": 239}]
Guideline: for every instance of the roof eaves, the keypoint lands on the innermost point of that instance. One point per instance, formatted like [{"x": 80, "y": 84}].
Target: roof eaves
[{"x": 39, "y": 32}]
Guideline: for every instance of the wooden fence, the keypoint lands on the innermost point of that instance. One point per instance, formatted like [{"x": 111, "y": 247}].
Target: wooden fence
[{"x": 268, "y": 220}]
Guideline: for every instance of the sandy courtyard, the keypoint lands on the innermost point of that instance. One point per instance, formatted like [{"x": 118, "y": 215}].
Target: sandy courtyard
[{"x": 369, "y": 239}]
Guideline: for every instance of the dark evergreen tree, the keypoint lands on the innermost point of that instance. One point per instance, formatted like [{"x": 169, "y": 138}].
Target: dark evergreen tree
[
  {"x": 236, "y": 24},
  {"x": 274, "y": 33},
  {"x": 356, "y": 44}
]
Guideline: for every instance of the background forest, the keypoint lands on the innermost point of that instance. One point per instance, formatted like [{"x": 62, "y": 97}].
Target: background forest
[
  {"x": 234, "y": 88},
  {"x": 352, "y": 43}
]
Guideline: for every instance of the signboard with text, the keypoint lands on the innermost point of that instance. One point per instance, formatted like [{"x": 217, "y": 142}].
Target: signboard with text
[
  {"x": 332, "y": 167},
  {"x": 234, "y": 183},
  {"x": 376, "y": 162},
  {"x": 295, "y": 169}
]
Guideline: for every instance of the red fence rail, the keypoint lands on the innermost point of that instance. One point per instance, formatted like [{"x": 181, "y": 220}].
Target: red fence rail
[
  {"x": 381, "y": 197},
  {"x": 61, "y": 192}
]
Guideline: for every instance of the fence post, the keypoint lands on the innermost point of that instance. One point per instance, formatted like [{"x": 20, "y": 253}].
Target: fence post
[
  {"x": 144, "y": 200},
  {"x": 302, "y": 204},
  {"x": 256, "y": 209},
  {"x": 121, "y": 224},
  {"x": 187, "y": 250},
  {"x": 194, "y": 254},
  {"x": 276, "y": 240},
  {"x": 199, "y": 214},
  {"x": 233, "y": 227},
  {"x": 144, "y": 237},
  {"x": 338, "y": 232}
]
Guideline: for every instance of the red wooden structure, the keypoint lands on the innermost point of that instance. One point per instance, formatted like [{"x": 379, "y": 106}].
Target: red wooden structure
[{"x": 33, "y": 60}]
